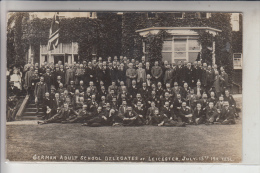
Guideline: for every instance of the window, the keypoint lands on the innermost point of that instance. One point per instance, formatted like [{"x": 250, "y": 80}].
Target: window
[
  {"x": 184, "y": 49},
  {"x": 167, "y": 50},
  {"x": 237, "y": 60}
]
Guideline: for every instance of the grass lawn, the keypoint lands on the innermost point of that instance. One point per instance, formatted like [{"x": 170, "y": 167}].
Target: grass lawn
[{"x": 214, "y": 143}]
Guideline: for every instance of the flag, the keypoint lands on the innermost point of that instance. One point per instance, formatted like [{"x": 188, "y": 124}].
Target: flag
[{"x": 54, "y": 33}]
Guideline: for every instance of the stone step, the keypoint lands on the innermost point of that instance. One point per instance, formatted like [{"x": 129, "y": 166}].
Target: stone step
[
  {"x": 31, "y": 118},
  {"x": 32, "y": 109},
  {"x": 32, "y": 113},
  {"x": 31, "y": 106}
]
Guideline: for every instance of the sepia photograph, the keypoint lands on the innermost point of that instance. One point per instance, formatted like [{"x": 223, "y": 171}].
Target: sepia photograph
[{"x": 124, "y": 86}]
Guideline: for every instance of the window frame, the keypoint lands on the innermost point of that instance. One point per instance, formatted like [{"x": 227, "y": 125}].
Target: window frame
[
  {"x": 241, "y": 61},
  {"x": 187, "y": 51}
]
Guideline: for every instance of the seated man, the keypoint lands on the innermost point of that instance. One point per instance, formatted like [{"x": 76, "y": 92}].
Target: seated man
[
  {"x": 140, "y": 111},
  {"x": 103, "y": 102},
  {"x": 46, "y": 106},
  {"x": 220, "y": 104},
  {"x": 138, "y": 99},
  {"x": 99, "y": 119},
  {"x": 192, "y": 99},
  {"x": 227, "y": 115},
  {"x": 185, "y": 113},
  {"x": 71, "y": 88},
  {"x": 198, "y": 115},
  {"x": 211, "y": 113},
  {"x": 92, "y": 104},
  {"x": 82, "y": 116},
  {"x": 150, "y": 112},
  {"x": 153, "y": 98},
  {"x": 113, "y": 87},
  {"x": 131, "y": 118},
  {"x": 163, "y": 120},
  {"x": 62, "y": 115}
]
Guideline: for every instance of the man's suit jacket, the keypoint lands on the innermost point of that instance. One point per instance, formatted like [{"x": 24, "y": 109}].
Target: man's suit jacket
[
  {"x": 227, "y": 113},
  {"x": 198, "y": 114},
  {"x": 130, "y": 115},
  {"x": 150, "y": 111}
]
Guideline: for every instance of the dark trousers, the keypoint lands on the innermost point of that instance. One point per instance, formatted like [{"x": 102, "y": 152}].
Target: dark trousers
[
  {"x": 136, "y": 122},
  {"x": 55, "y": 119}
]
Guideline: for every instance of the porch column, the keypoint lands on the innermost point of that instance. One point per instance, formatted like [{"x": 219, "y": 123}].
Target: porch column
[
  {"x": 72, "y": 53},
  {"x": 213, "y": 52},
  {"x": 69, "y": 59}
]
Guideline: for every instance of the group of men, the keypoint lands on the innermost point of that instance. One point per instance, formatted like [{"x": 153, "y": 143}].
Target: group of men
[{"x": 128, "y": 92}]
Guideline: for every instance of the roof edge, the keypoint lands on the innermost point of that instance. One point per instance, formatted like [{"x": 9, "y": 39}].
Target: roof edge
[{"x": 179, "y": 28}]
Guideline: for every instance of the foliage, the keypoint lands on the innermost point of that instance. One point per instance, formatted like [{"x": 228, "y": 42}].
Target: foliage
[
  {"x": 16, "y": 46},
  {"x": 154, "y": 45},
  {"x": 134, "y": 21}
]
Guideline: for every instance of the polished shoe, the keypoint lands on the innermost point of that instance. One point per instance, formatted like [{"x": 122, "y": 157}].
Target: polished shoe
[{"x": 84, "y": 124}]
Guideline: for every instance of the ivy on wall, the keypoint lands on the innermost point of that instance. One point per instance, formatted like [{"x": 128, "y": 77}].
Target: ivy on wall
[
  {"x": 94, "y": 36},
  {"x": 114, "y": 35},
  {"x": 16, "y": 44},
  {"x": 223, "y": 41},
  {"x": 154, "y": 45}
]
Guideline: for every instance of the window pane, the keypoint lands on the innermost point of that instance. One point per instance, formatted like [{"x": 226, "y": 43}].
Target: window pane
[
  {"x": 167, "y": 46},
  {"x": 179, "y": 54},
  {"x": 237, "y": 55},
  {"x": 193, "y": 56},
  {"x": 194, "y": 45},
  {"x": 237, "y": 63},
  {"x": 167, "y": 56},
  {"x": 180, "y": 44},
  {"x": 180, "y": 47},
  {"x": 176, "y": 60}
]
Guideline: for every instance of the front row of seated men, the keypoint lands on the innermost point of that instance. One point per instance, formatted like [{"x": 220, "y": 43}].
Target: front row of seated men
[{"x": 126, "y": 115}]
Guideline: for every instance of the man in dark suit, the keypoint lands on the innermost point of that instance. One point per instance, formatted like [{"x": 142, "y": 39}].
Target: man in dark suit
[
  {"x": 39, "y": 92},
  {"x": 198, "y": 115},
  {"x": 131, "y": 118},
  {"x": 12, "y": 90},
  {"x": 144, "y": 91},
  {"x": 198, "y": 90},
  {"x": 82, "y": 116},
  {"x": 99, "y": 119},
  {"x": 90, "y": 74},
  {"x": 48, "y": 79},
  {"x": 189, "y": 75},
  {"x": 140, "y": 111},
  {"x": 61, "y": 115},
  {"x": 185, "y": 113},
  {"x": 211, "y": 113},
  {"x": 92, "y": 104},
  {"x": 227, "y": 115}
]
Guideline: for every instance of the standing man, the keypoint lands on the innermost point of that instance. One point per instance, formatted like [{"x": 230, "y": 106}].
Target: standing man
[
  {"x": 39, "y": 92},
  {"x": 130, "y": 74},
  {"x": 156, "y": 72},
  {"x": 141, "y": 74},
  {"x": 28, "y": 81}
]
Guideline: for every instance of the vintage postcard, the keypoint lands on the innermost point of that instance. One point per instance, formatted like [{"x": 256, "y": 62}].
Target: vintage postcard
[{"x": 124, "y": 87}]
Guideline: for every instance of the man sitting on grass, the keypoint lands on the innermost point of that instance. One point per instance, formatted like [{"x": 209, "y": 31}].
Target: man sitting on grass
[
  {"x": 61, "y": 115},
  {"x": 227, "y": 115},
  {"x": 82, "y": 116},
  {"x": 198, "y": 115},
  {"x": 211, "y": 114},
  {"x": 131, "y": 118}
]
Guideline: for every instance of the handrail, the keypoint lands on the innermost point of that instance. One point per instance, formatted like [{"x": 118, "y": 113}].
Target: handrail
[{"x": 22, "y": 107}]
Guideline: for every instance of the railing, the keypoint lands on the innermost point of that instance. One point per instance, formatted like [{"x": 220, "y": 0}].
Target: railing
[{"x": 22, "y": 107}]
